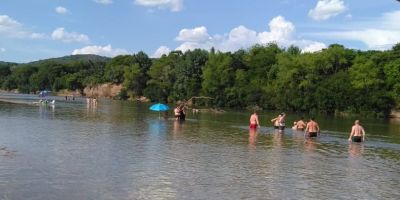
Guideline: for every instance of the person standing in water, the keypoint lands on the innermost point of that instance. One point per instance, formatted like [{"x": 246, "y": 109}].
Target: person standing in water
[
  {"x": 276, "y": 121},
  {"x": 312, "y": 128},
  {"x": 180, "y": 113},
  {"x": 254, "y": 120},
  {"x": 357, "y": 133},
  {"x": 281, "y": 121},
  {"x": 300, "y": 125}
]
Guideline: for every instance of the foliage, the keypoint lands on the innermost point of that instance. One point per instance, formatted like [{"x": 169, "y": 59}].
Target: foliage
[{"x": 335, "y": 79}]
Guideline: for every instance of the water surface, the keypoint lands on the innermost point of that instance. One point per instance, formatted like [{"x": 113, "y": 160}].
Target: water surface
[{"x": 121, "y": 150}]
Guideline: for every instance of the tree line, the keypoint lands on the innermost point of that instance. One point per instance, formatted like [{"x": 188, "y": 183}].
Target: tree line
[{"x": 336, "y": 79}]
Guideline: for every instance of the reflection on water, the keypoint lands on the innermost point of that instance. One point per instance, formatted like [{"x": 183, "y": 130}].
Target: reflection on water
[
  {"x": 355, "y": 149},
  {"x": 310, "y": 145},
  {"x": 121, "y": 150},
  {"x": 252, "y": 137}
]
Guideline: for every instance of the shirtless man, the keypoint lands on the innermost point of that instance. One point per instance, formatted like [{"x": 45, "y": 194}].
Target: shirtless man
[
  {"x": 312, "y": 128},
  {"x": 254, "y": 121},
  {"x": 301, "y": 125},
  {"x": 357, "y": 132}
]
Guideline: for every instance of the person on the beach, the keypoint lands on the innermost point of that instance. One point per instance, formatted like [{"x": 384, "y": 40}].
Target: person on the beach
[
  {"x": 254, "y": 120},
  {"x": 312, "y": 128},
  {"x": 357, "y": 133}
]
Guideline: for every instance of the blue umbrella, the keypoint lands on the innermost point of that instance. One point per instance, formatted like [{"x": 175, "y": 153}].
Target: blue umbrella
[{"x": 159, "y": 107}]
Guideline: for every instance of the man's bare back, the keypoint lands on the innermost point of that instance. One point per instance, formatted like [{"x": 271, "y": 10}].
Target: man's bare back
[
  {"x": 254, "y": 120},
  {"x": 357, "y": 131},
  {"x": 301, "y": 124},
  {"x": 312, "y": 127}
]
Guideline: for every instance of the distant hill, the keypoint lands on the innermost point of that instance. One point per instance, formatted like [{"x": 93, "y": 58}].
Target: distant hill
[
  {"x": 74, "y": 58},
  {"x": 2, "y": 63}
]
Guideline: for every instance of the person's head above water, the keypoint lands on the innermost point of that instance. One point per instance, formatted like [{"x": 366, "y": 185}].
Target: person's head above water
[{"x": 357, "y": 122}]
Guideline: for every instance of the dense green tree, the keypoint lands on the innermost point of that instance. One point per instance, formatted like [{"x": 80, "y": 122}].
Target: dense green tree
[
  {"x": 188, "y": 72},
  {"x": 332, "y": 80},
  {"x": 132, "y": 78},
  {"x": 115, "y": 68},
  {"x": 218, "y": 76},
  {"x": 162, "y": 77},
  {"x": 5, "y": 71}
]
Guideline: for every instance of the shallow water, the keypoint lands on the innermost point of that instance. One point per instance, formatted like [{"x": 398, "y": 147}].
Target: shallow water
[{"x": 121, "y": 150}]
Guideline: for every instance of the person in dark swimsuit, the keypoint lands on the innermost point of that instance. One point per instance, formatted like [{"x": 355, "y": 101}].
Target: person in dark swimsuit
[
  {"x": 312, "y": 134},
  {"x": 276, "y": 121},
  {"x": 356, "y": 139},
  {"x": 182, "y": 114},
  {"x": 281, "y": 121},
  {"x": 357, "y": 133},
  {"x": 312, "y": 128}
]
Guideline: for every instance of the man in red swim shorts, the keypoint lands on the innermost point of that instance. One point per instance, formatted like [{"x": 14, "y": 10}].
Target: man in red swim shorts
[{"x": 254, "y": 120}]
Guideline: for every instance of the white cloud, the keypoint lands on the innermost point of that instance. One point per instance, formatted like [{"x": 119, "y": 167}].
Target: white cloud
[
  {"x": 196, "y": 38},
  {"x": 326, "y": 9},
  {"x": 239, "y": 37},
  {"x": 61, "y": 10},
  {"x": 61, "y": 34},
  {"x": 12, "y": 28},
  {"x": 2, "y": 50},
  {"x": 280, "y": 31},
  {"x": 161, "y": 51},
  {"x": 105, "y": 2},
  {"x": 173, "y": 5},
  {"x": 378, "y": 34},
  {"x": 373, "y": 38},
  {"x": 37, "y": 35},
  {"x": 197, "y": 34},
  {"x": 389, "y": 20},
  {"x": 311, "y": 46},
  {"x": 100, "y": 50}
]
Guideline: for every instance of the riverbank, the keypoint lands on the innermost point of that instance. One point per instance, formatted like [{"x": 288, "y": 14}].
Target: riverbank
[{"x": 395, "y": 114}]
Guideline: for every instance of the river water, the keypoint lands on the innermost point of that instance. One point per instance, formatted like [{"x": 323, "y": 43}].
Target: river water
[{"x": 121, "y": 150}]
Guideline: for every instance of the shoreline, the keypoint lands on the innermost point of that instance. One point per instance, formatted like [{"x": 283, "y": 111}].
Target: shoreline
[{"x": 394, "y": 114}]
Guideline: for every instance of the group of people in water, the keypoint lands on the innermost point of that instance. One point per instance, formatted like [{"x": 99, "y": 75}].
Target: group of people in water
[
  {"x": 310, "y": 128},
  {"x": 91, "y": 102}
]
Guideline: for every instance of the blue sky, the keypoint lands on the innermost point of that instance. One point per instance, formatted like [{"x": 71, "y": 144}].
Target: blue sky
[{"x": 40, "y": 29}]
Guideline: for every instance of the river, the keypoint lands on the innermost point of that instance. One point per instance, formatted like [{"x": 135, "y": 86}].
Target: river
[{"x": 122, "y": 150}]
